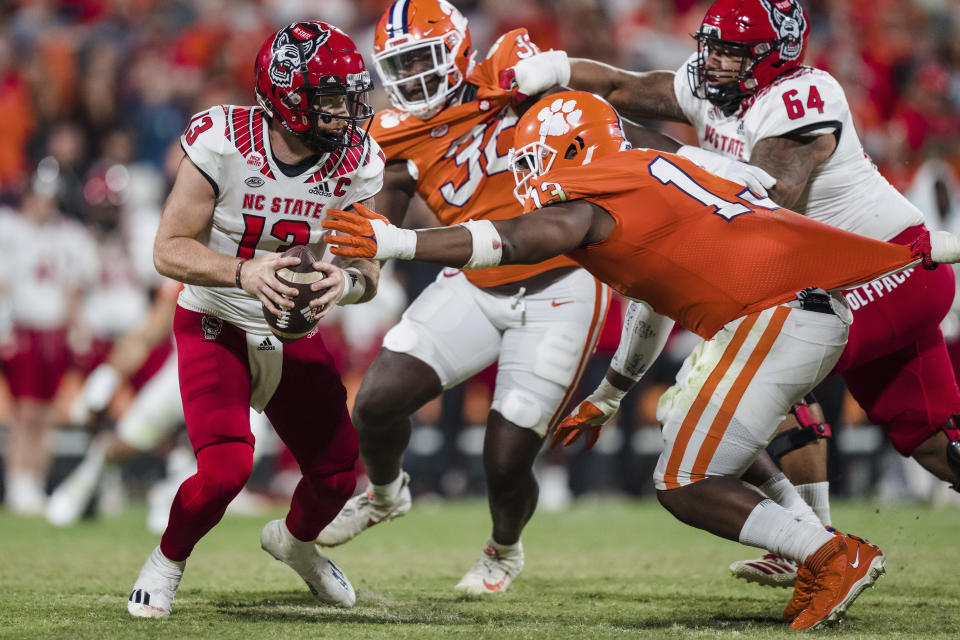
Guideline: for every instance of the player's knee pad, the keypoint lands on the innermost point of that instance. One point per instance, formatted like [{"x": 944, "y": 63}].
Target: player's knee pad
[
  {"x": 520, "y": 407},
  {"x": 225, "y": 468},
  {"x": 402, "y": 337}
]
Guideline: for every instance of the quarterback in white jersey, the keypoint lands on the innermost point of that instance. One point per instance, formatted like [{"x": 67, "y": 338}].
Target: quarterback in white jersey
[
  {"x": 749, "y": 97},
  {"x": 254, "y": 181}
]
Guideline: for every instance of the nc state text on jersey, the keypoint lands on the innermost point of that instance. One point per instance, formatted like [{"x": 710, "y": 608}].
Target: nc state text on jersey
[
  {"x": 286, "y": 206},
  {"x": 724, "y": 144}
]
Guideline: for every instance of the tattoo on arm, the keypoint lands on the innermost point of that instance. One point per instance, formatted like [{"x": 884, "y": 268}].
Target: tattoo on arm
[{"x": 791, "y": 162}]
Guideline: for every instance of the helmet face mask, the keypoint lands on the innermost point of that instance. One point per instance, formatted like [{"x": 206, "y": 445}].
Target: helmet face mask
[
  {"x": 528, "y": 162},
  {"x": 310, "y": 77},
  {"x": 422, "y": 55}
]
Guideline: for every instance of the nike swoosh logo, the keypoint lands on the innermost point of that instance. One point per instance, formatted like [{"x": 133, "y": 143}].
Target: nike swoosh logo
[
  {"x": 560, "y": 304},
  {"x": 856, "y": 562},
  {"x": 495, "y": 587}
]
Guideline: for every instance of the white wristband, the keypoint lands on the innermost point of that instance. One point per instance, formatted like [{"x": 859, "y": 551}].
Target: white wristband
[
  {"x": 394, "y": 242},
  {"x": 944, "y": 247},
  {"x": 354, "y": 286},
  {"x": 487, "y": 245},
  {"x": 100, "y": 387}
]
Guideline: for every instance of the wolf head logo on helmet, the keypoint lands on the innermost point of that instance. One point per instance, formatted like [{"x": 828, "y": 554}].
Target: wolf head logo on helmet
[
  {"x": 292, "y": 48},
  {"x": 311, "y": 78},
  {"x": 769, "y": 38}
]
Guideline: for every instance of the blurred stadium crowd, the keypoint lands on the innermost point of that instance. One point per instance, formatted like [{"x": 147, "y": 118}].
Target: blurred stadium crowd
[{"x": 94, "y": 95}]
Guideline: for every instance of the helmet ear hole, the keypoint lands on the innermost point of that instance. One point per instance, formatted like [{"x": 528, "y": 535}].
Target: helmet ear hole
[{"x": 574, "y": 148}]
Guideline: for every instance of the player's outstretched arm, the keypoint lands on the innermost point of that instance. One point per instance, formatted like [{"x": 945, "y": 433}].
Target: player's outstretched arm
[
  {"x": 178, "y": 254},
  {"x": 480, "y": 244},
  {"x": 636, "y": 96},
  {"x": 642, "y": 338}
]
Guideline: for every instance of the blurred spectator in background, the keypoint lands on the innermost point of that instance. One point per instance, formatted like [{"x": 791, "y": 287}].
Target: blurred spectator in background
[{"x": 45, "y": 265}]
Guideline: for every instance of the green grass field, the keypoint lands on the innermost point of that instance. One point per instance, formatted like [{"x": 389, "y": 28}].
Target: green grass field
[{"x": 601, "y": 570}]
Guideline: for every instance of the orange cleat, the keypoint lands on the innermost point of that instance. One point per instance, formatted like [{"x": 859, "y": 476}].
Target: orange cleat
[
  {"x": 803, "y": 590},
  {"x": 842, "y": 569}
]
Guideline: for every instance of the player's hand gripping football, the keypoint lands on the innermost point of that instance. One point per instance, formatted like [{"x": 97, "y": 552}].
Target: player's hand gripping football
[
  {"x": 258, "y": 277},
  {"x": 587, "y": 419},
  {"x": 367, "y": 234}
]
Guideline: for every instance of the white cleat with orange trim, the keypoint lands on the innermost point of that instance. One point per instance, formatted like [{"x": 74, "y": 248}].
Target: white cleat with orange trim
[{"x": 493, "y": 572}]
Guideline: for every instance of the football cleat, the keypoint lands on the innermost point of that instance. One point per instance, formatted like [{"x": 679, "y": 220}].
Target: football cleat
[
  {"x": 803, "y": 590},
  {"x": 493, "y": 572},
  {"x": 771, "y": 570},
  {"x": 849, "y": 565},
  {"x": 362, "y": 512},
  {"x": 153, "y": 592},
  {"x": 325, "y": 580}
]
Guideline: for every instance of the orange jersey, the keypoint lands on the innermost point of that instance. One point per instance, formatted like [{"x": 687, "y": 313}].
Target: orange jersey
[
  {"x": 702, "y": 250},
  {"x": 460, "y": 156}
]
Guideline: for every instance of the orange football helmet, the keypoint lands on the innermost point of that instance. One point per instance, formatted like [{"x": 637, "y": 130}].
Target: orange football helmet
[
  {"x": 421, "y": 50},
  {"x": 564, "y": 129}
]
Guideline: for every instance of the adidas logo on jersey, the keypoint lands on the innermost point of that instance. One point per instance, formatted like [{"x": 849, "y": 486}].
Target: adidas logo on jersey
[
  {"x": 266, "y": 345},
  {"x": 320, "y": 189}
]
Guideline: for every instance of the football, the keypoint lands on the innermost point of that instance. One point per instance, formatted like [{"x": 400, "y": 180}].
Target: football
[{"x": 296, "y": 322}]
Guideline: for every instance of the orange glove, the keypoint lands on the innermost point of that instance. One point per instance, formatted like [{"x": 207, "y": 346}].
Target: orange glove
[
  {"x": 586, "y": 419},
  {"x": 589, "y": 416},
  {"x": 367, "y": 234}
]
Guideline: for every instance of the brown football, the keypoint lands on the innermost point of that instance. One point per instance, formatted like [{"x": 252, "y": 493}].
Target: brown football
[{"x": 296, "y": 322}]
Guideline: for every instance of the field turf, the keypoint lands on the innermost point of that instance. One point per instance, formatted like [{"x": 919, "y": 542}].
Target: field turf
[{"x": 604, "y": 569}]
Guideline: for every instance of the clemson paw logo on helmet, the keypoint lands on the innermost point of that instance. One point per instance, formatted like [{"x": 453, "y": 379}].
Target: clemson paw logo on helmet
[{"x": 559, "y": 117}]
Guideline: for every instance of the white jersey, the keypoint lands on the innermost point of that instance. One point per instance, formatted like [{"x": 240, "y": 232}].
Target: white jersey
[
  {"x": 117, "y": 298},
  {"x": 41, "y": 266},
  {"x": 846, "y": 191},
  {"x": 258, "y": 208}
]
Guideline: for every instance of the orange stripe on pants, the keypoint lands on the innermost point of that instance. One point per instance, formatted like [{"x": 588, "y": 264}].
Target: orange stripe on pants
[
  {"x": 703, "y": 398},
  {"x": 733, "y": 397},
  {"x": 601, "y": 305}
]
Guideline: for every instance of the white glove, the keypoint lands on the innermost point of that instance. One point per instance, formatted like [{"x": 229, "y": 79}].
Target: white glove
[
  {"x": 750, "y": 176},
  {"x": 95, "y": 395},
  {"x": 542, "y": 71}
]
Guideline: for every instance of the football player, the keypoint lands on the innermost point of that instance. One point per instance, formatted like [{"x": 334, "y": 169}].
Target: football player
[
  {"x": 256, "y": 180},
  {"x": 748, "y": 95},
  {"x": 734, "y": 268},
  {"x": 447, "y": 140}
]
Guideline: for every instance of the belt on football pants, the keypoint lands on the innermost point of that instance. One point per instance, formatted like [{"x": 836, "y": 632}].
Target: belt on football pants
[{"x": 813, "y": 299}]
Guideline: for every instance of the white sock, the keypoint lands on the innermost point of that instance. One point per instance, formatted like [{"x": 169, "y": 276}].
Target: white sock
[
  {"x": 817, "y": 495},
  {"x": 785, "y": 494},
  {"x": 164, "y": 561},
  {"x": 504, "y": 549},
  {"x": 770, "y": 526},
  {"x": 389, "y": 491}
]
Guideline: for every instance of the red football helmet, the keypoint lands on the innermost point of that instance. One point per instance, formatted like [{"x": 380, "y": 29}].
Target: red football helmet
[
  {"x": 310, "y": 74},
  {"x": 770, "y": 35},
  {"x": 421, "y": 50},
  {"x": 565, "y": 129}
]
